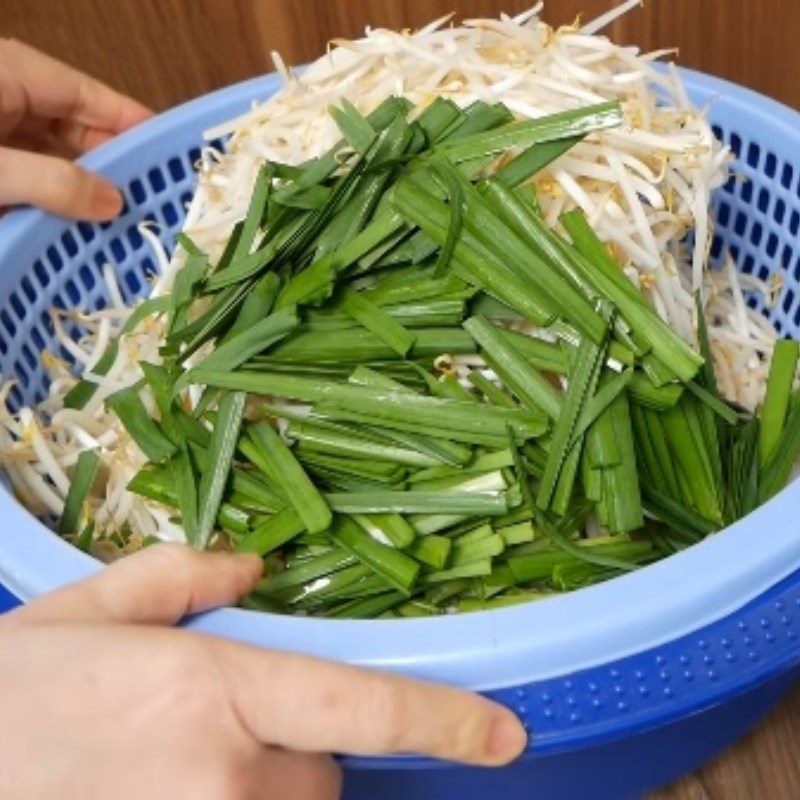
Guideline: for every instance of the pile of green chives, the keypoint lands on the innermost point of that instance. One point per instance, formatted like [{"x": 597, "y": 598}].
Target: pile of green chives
[{"x": 334, "y": 436}]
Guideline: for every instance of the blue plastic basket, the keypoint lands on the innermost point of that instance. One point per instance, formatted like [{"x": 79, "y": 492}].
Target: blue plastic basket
[{"x": 623, "y": 685}]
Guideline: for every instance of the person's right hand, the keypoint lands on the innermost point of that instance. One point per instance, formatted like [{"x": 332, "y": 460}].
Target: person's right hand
[{"x": 101, "y": 701}]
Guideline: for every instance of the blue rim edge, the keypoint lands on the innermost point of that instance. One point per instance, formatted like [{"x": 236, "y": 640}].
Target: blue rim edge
[{"x": 511, "y": 647}]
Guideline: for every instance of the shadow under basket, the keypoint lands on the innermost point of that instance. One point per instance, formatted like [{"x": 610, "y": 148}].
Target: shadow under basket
[{"x": 624, "y": 685}]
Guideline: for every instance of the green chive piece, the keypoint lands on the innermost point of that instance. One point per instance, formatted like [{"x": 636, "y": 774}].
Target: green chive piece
[
  {"x": 448, "y": 417},
  {"x": 394, "y": 566},
  {"x": 85, "y": 538},
  {"x": 469, "y": 552},
  {"x": 378, "y": 322},
  {"x": 601, "y": 270},
  {"x": 712, "y": 402},
  {"x": 221, "y": 451},
  {"x": 583, "y": 379},
  {"x": 539, "y": 566},
  {"x": 473, "y": 261},
  {"x": 692, "y": 460},
  {"x": 250, "y": 485},
  {"x": 255, "y": 212},
  {"x": 344, "y": 442},
  {"x": 392, "y": 528},
  {"x": 455, "y": 194},
  {"x": 321, "y": 168},
  {"x": 83, "y": 477},
  {"x": 743, "y": 476},
  {"x": 185, "y": 483},
  {"x": 247, "y": 343},
  {"x": 354, "y": 127},
  {"x": 256, "y": 306},
  {"x": 368, "y": 607},
  {"x": 782, "y": 371},
  {"x": 187, "y": 281},
  {"x": 527, "y": 133},
  {"x": 527, "y": 384},
  {"x": 356, "y": 345},
  {"x": 309, "y": 570},
  {"x": 518, "y": 533},
  {"x": 778, "y": 468},
  {"x": 534, "y": 159},
  {"x": 645, "y": 393},
  {"x": 544, "y": 356},
  {"x": 606, "y": 394},
  {"x": 291, "y": 478},
  {"x": 418, "y": 502},
  {"x": 147, "y": 434},
  {"x": 474, "y": 569},
  {"x": 432, "y": 550},
  {"x": 677, "y": 515},
  {"x": 272, "y": 533},
  {"x": 621, "y": 503}
]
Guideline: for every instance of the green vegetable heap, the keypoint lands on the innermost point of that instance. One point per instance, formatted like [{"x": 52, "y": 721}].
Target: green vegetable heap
[{"x": 345, "y": 313}]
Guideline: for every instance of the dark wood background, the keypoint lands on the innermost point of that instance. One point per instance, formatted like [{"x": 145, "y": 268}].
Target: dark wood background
[{"x": 165, "y": 51}]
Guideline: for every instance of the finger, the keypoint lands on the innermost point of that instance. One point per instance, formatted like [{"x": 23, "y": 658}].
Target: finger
[
  {"x": 58, "y": 91},
  {"x": 62, "y": 138},
  {"x": 158, "y": 585},
  {"x": 307, "y": 704},
  {"x": 56, "y": 185},
  {"x": 296, "y": 776},
  {"x": 79, "y": 138},
  {"x": 43, "y": 142}
]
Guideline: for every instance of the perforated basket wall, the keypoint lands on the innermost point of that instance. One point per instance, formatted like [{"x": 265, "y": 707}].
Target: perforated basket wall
[
  {"x": 758, "y": 219},
  {"x": 67, "y": 271}
]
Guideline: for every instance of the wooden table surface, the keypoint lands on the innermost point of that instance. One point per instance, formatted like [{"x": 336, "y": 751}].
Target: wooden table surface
[{"x": 165, "y": 51}]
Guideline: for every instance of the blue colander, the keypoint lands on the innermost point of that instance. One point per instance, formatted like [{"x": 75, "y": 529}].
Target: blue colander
[{"x": 624, "y": 685}]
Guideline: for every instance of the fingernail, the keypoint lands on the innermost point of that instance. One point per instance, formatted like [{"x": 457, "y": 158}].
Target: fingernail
[
  {"x": 507, "y": 739},
  {"x": 107, "y": 200}
]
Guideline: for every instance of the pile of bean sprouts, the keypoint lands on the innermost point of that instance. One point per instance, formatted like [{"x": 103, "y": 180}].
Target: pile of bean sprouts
[{"x": 643, "y": 187}]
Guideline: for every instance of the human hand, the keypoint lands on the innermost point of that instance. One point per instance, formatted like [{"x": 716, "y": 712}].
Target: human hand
[
  {"x": 49, "y": 113},
  {"x": 101, "y": 702}
]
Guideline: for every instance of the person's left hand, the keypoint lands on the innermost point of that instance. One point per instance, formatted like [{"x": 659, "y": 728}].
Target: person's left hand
[
  {"x": 50, "y": 113},
  {"x": 101, "y": 701}
]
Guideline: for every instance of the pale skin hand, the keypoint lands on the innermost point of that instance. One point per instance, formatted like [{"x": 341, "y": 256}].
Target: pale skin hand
[
  {"x": 104, "y": 701},
  {"x": 50, "y": 113}
]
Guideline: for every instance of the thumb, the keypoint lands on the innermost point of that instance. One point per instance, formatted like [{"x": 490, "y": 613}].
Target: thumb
[
  {"x": 158, "y": 585},
  {"x": 56, "y": 185}
]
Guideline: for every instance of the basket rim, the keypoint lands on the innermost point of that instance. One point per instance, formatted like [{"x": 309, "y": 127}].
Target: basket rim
[{"x": 481, "y": 650}]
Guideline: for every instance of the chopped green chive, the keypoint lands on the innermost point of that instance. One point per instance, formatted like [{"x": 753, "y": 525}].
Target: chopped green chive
[
  {"x": 410, "y": 394},
  {"x": 221, "y": 451},
  {"x": 83, "y": 477},
  {"x": 290, "y": 477}
]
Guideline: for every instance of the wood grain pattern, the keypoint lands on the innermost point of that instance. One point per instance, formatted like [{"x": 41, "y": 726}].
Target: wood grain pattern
[
  {"x": 166, "y": 51},
  {"x": 765, "y": 765}
]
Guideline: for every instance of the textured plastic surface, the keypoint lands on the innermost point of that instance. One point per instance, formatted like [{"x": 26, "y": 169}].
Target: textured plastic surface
[
  {"x": 47, "y": 261},
  {"x": 617, "y": 730},
  {"x": 7, "y": 600},
  {"x": 619, "y": 769}
]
